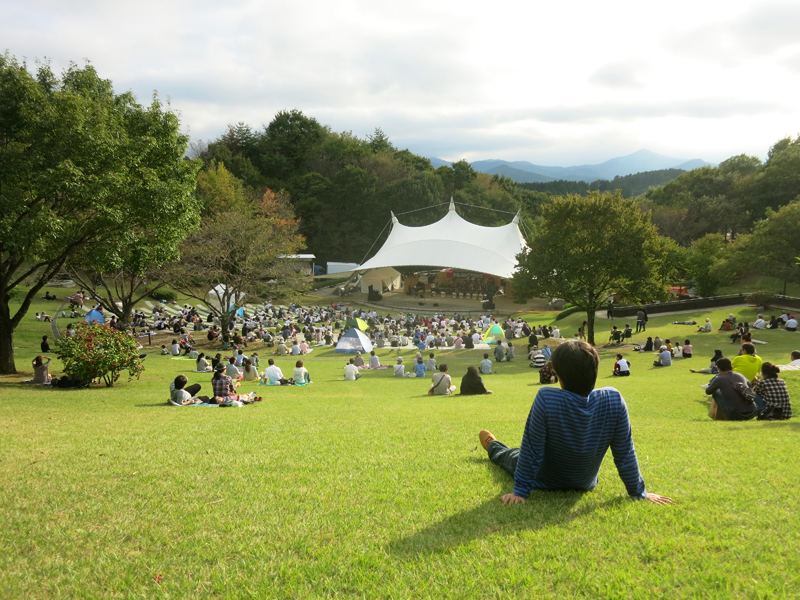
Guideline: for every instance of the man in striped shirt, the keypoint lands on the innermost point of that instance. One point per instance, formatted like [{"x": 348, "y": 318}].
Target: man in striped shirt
[{"x": 568, "y": 433}]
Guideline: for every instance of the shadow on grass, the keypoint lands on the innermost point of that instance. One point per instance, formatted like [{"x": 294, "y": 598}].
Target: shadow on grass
[{"x": 544, "y": 509}]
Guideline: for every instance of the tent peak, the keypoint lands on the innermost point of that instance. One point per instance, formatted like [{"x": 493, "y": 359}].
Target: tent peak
[
  {"x": 394, "y": 219},
  {"x": 452, "y": 205},
  {"x": 516, "y": 217}
]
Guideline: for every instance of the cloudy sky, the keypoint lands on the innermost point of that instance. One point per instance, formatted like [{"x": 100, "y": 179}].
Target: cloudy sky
[{"x": 555, "y": 83}]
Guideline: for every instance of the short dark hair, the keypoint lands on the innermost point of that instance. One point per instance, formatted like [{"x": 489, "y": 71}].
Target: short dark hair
[
  {"x": 180, "y": 382},
  {"x": 576, "y": 365},
  {"x": 271, "y": 361},
  {"x": 485, "y": 355},
  {"x": 232, "y": 360},
  {"x": 443, "y": 367},
  {"x": 749, "y": 348},
  {"x": 795, "y": 354},
  {"x": 431, "y": 354},
  {"x": 724, "y": 364}
]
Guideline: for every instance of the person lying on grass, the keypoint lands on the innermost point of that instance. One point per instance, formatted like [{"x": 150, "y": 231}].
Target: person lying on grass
[{"x": 569, "y": 431}]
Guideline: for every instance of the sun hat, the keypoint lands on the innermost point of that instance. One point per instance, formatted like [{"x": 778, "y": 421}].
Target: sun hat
[
  {"x": 663, "y": 347},
  {"x": 399, "y": 359}
]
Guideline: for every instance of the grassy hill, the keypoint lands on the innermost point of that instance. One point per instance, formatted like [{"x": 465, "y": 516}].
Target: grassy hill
[{"x": 374, "y": 489}]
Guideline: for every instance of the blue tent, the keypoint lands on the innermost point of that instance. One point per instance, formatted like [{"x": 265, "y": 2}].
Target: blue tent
[
  {"x": 94, "y": 316},
  {"x": 240, "y": 312},
  {"x": 354, "y": 341}
]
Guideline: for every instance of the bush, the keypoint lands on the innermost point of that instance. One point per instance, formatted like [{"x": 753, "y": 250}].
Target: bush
[
  {"x": 99, "y": 352},
  {"x": 568, "y": 310},
  {"x": 323, "y": 283},
  {"x": 765, "y": 299},
  {"x": 165, "y": 294}
]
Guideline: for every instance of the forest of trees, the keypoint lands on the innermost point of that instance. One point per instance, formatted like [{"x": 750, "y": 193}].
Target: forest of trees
[
  {"x": 630, "y": 185},
  {"x": 342, "y": 188}
]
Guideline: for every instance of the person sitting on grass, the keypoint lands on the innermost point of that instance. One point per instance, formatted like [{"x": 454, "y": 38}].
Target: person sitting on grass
[
  {"x": 486, "y": 364},
  {"x": 664, "y": 358},
  {"x": 712, "y": 369},
  {"x": 472, "y": 384},
  {"x": 441, "y": 383},
  {"x": 301, "y": 374},
  {"x": 374, "y": 361},
  {"x": 510, "y": 351},
  {"x": 748, "y": 363},
  {"x": 399, "y": 368},
  {"x": 351, "y": 371},
  {"x": 231, "y": 370},
  {"x": 622, "y": 368},
  {"x": 250, "y": 372},
  {"x": 547, "y": 374},
  {"x": 225, "y": 389},
  {"x": 795, "y": 356},
  {"x": 176, "y": 349},
  {"x": 725, "y": 390},
  {"x": 706, "y": 327},
  {"x": 419, "y": 367},
  {"x": 568, "y": 433},
  {"x": 358, "y": 360},
  {"x": 537, "y": 358},
  {"x": 273, "y": 375},
  {"x": 772, "y": 397},
  {"x": 430, "y": 364},
  {"x": 648, "y": 345},
  {"x": 499, "y": 352},
  {"x": 281, "y": 350},
  {"x": 686, "y": 351},
  {"x": 41, "y": 369},
  {"x": 791, "y": 324},
  {"x": 184, "y": 395},
  {"x": 202, "y": 363}
]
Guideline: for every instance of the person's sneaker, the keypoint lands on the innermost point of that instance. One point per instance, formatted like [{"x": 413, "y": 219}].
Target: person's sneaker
[{"x": 486, "y": 438}]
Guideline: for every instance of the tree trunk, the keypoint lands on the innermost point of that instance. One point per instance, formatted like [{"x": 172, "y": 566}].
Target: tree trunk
[
  {"x": 590, "y": 314},
  {"x": 7, "y": 365}
]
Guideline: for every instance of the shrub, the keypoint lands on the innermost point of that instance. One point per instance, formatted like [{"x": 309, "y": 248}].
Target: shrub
[
  {"x": 765, "y": 299},
  {"x": 165, "y": 294},
  {"x": 99, "y": 352},
  {"x": 568, "y": 310}
]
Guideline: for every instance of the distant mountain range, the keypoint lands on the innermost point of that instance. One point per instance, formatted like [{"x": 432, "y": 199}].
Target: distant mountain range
[{"x": 523, "y": 171}]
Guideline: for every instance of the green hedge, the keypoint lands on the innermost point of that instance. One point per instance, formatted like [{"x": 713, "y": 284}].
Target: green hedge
[
  {"x": 165, "y": 294},
  {"x": 569, "y": 309}
]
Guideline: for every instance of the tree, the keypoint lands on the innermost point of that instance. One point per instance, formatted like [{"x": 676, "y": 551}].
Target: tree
[
  {"x": 707, "y": 263},
  {"x": 588, "y": 248},
  {"x": 241, "y": 256},
  {"x": 774, "y": 244},
  {"x": 79, "y": 166}
]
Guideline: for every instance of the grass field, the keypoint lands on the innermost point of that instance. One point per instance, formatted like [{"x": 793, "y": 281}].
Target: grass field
[{"x": 373, "y": 489}]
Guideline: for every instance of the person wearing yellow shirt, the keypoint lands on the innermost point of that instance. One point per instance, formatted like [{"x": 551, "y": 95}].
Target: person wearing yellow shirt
[{"x": 748, "y": 363}]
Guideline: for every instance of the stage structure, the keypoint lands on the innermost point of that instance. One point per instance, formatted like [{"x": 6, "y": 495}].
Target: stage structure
[{"x": 451, "y": 243}]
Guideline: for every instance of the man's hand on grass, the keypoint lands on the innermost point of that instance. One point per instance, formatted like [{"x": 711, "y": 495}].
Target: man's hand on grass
[
  {"x": 656, "y": 499},
  {"x": 513, "y": 499}
]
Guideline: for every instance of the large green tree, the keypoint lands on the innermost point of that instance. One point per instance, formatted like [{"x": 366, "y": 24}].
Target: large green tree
[
  {"x": 242, "y": 256},
  {"x": 588, "y": 248},
  {"x": 79, "y": 166}
]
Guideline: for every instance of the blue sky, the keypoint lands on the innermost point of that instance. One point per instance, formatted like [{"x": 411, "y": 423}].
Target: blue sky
[{"x": 553, "y": 83}]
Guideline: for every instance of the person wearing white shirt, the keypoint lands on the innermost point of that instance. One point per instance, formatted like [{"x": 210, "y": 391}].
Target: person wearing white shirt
[
  {"x": 791, "y": 324},
  {"x": 272, "y": 373},
  {"x": 476, "y": 338},
  {"x": 351, "y": 371},
  {"x": 399, "y": 368},
  {"x": 556, "y": 333},
  {"x": 795, "y": 359},
  {"x": 759, "y": 323},
  {"x": 300, "y": 373},
  {"x": 374, "y": 361}
]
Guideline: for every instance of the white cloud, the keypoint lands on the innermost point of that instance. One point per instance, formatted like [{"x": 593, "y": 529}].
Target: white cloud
[{"x": 551, "y": 83}]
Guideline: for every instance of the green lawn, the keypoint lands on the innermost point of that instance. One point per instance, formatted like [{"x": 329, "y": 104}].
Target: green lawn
[{"x": 373, "y": 489}]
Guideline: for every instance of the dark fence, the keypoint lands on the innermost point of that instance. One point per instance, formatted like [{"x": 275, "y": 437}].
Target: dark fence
[{"x": 702, "y": 303}]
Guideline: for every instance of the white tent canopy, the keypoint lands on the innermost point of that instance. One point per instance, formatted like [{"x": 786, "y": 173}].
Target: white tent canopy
[
  {"x": 452, "y": 242},
  {"x": 385, "y": 277}
]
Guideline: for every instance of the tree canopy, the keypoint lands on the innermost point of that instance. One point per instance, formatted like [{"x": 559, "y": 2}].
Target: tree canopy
[
  {"x": 587, "y": 249},
  {"x": 79, "y": 166}
]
